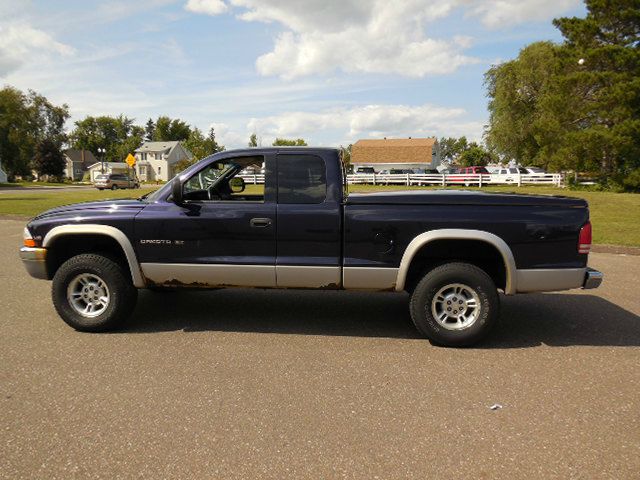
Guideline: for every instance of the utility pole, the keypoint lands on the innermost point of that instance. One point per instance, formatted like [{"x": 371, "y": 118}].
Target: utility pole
[{"x": 101, "y": 152}]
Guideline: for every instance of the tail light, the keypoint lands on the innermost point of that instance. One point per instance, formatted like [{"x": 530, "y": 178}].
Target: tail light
[{"x": 584, "y": 240}]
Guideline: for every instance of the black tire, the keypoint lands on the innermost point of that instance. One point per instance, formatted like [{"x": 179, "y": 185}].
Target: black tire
[
  {"x": 114, "y": 187},
  {"x": 479, "y": 283},
  {"x": 122, "y": 293}
]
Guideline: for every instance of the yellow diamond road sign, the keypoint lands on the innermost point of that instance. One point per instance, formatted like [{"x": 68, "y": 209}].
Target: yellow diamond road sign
[{"x": 131, "y": 160}]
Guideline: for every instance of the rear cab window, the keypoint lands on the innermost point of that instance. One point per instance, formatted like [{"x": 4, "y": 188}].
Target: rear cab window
[{"x": 302, "y": 179}]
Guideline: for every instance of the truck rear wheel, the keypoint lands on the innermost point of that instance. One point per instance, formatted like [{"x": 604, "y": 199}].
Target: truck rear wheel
[
  {"x": 455, "y": 305},
  {"x": 92, "y": 293}
]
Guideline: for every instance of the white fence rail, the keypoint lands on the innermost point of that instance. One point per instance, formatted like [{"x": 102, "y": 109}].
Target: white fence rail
[
  {"x": 456, "y": 179},
  {"x": 467, "y": 180},
  {"x": 253, "y": 179}
]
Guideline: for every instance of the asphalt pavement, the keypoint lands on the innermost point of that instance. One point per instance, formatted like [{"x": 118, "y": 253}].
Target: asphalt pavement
[{"x": 290, "y": 384}]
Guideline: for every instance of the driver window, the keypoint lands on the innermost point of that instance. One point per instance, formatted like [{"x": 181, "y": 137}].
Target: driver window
[{"x": 231, "y": 179}]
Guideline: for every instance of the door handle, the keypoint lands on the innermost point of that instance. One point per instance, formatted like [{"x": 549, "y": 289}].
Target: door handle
[{"x": 260, "y": 222}]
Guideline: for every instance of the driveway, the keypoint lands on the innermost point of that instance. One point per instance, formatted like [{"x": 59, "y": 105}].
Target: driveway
[{"x": 291, "y": 384}]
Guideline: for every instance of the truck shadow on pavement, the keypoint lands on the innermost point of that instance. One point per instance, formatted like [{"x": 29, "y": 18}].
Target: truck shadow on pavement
[{"x": 525, "y": 321}]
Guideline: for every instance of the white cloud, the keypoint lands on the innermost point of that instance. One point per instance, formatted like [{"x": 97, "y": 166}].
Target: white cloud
[
  {"x": 208, "y": 7},
  {"x": 375, "y": 36},
  {"x": 370, "y": 121},
  {"x": 372, "y": 36},
  {"x": 227, "y": 137},
  {"x": 506, "y": 13},
  {"x": 20, "y": 41}
]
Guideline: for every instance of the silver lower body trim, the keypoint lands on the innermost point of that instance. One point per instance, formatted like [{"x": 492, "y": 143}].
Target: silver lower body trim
[
  {"x": 301, "y": 276},
  {"x": 207, "y": 275},
  {"x": 369, "y": 278},
  {"x": 549, "y": 280}
]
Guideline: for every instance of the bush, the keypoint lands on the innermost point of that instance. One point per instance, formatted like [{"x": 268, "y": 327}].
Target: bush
[{"x": 631, "y": 182}]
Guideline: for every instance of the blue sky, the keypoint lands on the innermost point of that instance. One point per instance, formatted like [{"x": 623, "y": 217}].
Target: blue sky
[{"x": 331, "y": 71}]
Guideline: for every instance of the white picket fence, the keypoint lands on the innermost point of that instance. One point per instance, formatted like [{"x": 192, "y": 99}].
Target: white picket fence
[{"x": 479, "y": 180}]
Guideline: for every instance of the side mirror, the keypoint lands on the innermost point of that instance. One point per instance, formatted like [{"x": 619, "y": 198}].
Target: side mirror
[
  {"x": 237, "y": 184},
  {"x": 176, "y": 191}
]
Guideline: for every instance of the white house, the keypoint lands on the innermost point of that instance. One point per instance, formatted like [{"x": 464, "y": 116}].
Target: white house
[
  {"x": 155, "y": 161},
  {"x": 99, "y": 168}
]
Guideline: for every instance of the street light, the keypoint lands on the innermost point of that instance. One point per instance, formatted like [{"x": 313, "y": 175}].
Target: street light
[{"x": 101, "y": 152}]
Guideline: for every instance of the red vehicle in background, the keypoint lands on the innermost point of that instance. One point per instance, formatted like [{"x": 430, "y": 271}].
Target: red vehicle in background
[{"x": 468, "y": 176}]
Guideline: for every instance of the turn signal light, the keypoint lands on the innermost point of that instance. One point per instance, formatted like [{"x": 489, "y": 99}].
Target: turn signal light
[
  {"x": 27, "y": 239},
  {"x": 584, "y": 240}
]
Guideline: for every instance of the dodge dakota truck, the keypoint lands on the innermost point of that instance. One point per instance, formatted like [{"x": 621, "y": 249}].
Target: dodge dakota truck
[{"x": 452, "y": 251}]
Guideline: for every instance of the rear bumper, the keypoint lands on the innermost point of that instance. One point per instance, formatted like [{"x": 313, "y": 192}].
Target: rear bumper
[
  {"x": 592, "y": 278},
  {"x": 35, "y": 261},
  {"x": 552, "y": 280}
]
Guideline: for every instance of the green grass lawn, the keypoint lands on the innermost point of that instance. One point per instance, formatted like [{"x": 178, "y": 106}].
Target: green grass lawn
[
  {"x": 615, "y": 216},
  {"x": 30, "y": 202},
  {"x": 34, "y": 184}
]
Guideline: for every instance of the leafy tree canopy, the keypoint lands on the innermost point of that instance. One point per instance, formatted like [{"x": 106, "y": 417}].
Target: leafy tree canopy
[
  {"x": 167, "y": 129},
  {"x": 200, "y": 146},
  {"x": 117, "y": 135},
  {"x": 48, "y": 158},
  {"x": 576, "y": 105},
  {"x": 284, "y": 142},
  {"x": 25, "y": 120}
]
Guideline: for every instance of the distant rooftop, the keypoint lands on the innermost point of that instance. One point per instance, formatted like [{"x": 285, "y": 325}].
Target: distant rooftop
[
  {"x": 397, "y": 142},
  {"x": 157, "y": 146}
]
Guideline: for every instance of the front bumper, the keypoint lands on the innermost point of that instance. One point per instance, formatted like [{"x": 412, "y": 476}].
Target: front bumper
[
  {"x": 592, "y": 278},
  {"x": 35, "y": 261}
]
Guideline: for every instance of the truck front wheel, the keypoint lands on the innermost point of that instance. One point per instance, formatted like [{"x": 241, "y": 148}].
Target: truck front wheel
[
  {"x": 92, "y": 293},
  {"x": 455, "y": 305}
]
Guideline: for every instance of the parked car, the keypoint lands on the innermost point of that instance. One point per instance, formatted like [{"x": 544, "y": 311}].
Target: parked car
[
  {"x": 365, "y": 170},
  {"x": 201, "y": 230},
  {"x": 115, "y": 181},
  {"x": 508, "y": 174},
  {"x": 468, "y": 175},
  {"x": 535, "y": 170}
]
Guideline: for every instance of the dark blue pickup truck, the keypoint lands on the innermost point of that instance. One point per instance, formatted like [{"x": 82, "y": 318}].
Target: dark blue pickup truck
[{"x": 452, "y": 251}]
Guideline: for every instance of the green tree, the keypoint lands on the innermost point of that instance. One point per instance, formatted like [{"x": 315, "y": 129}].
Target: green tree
[
  {"x": 253, "y": 141},
  {"x": 149, "y": 130},
  {"x": 200, "y": 147},
  {"x": 168, "y": 129},
  {"x": 26, "y": 120},
  {"x": 575, "y": 105},
  {"x": 48, "y": 159},
  {"x": 451, "y": 148},
  {"x": 284, "y": 142},
  {"x": 117, "y": 135},
  {"x": 475, "y": 155}
]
